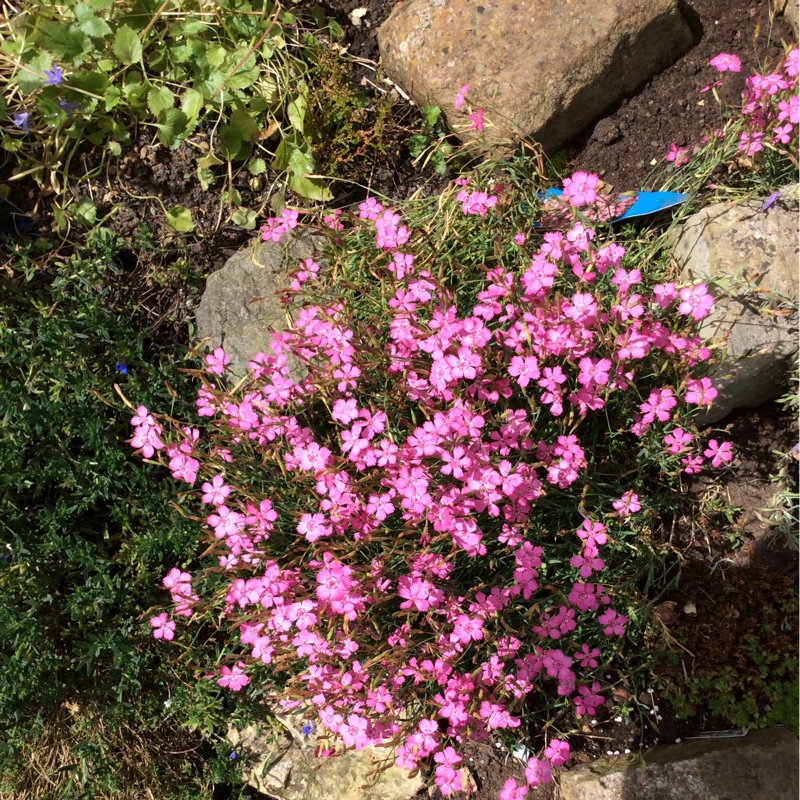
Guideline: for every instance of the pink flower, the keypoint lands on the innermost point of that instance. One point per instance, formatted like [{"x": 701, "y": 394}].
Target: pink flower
[
  {"x": 461, "y": 95},
  {"x": 217, "y": 361},
  {"x": 718, "y": 453},
  {"x": 520, "y": 239},
  {"x": 588, "y": 699},
  {"x": 678, "y": 440},
  {"x": 369, "y": 209},
  {"x": 313, "y": 527},
  {"x": 581, "y": 189},
  {"x": 792, "y": 64},
  {"x": 678, "y": 155},
  {"x": 627, "y": 504},
  {"x": 163, "y": 628},
  {"x": 614, "y": 623},
  {"x": 538, "y": 772},
  {"x": 277, "y": 226},
  {"x": 476, "y": 120},
  {"x": 700, "y": 393},
  {"x": 695, "y": 300},
  {"x": 332, "y": 221},
  {"x": 524, "y": 369},
  {"x": 511, "y": 791},
  {"x": 726, "y": 62},
  {"x": 216, "y": 491},
  {"x": 476, "y": 202},
  {"x": 233, "y": 678},
  {"x": 557, "y": 752}
]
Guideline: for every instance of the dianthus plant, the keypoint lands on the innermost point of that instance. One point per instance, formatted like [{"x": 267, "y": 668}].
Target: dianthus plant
[{"x": 419, "y": 503}]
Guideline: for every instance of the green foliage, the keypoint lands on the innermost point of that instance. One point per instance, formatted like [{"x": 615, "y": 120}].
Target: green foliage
[
  {"x": 178, "y": 67},
  {"x": 783, "y": 511},
  {"x": 760, "y": 691},
  {"x": 431, "y": 144},
  {"x": 86, "y": 534}
]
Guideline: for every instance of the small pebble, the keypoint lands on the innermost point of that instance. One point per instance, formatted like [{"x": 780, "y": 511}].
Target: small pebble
[
  {"x": 609, "y": 753},
  {"x": 627, "y": 750},
  {"x": 617, "y": 719},
  {"x": 678, "y": 740}
]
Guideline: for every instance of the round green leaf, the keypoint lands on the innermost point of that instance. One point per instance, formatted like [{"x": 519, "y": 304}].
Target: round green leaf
[{"x": 180, "y": 219}]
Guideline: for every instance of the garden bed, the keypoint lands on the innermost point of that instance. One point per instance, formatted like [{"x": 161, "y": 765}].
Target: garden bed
[{"x": 726, "y": 598}]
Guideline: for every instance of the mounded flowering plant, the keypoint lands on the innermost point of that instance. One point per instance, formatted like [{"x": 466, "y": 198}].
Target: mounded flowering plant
[{"x": 421, "y": 510}]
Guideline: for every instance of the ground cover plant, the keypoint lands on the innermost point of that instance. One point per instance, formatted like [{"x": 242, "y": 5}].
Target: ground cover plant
[{"x": 88, "y": 707}]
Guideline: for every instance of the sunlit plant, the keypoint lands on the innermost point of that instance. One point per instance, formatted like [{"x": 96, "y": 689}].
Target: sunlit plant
[{"x": 436, "y": 527}]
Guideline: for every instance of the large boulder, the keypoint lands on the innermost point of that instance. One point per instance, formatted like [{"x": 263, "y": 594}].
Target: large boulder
[
  {"x": 763, "y": 764},
  {"x": 750, "y": 259},
  {"x": 542, "y": 69},
  {"x": 240, "y": 306}
]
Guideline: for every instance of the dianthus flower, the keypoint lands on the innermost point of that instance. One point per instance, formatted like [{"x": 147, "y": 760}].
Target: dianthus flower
[
  {"x": 233, "y": 678},
  {"x": 627, "y": 504},
  {"x": 217, "y": 361},
  {"x": 718, "y": 453},
  {"x": 678, "y": 155},
  {"x": 581, "y": 189},
  {"x": 163, "y": 628},
  {"x": 476, "y": 120},
  {"x": 511, "y": 791},
  {"x": 476, "y": 202},
  {"x": 369, "y": 209},
  {"x": 557, "y": 752},
  {"x": 700, "y": 392},
  {"x": 726, "y": 62},
  {"x": 538, "y": 772},
  {"x": 695, "y": 300},
  {"x": 275, "y": 227}
]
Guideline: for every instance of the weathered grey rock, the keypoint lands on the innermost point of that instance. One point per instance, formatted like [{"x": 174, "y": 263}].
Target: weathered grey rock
[
  {"x": 240, "y": 303},
  {"x": 750, "y": 258},
  {"x": 539, "y": 68},
  {"x": 791, "y": 10},
  {"x": 287, "y": 769},
  {"x": 760, "y": 766}
]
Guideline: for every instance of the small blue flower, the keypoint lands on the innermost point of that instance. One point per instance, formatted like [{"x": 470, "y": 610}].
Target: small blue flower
[
  {"x": 122, "y": 368},
  {"x": 306, "y": 729},
  {"x": 21, "y": 121},
  {"x": 54, "y": 76},
  {"x": 68, "y": 108},
  {"x": 233, "y": 755},
  {"x": 769, "y": 202}
]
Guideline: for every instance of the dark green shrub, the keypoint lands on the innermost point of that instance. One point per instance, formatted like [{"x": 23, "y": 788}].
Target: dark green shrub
[{"x": 86, "y": 534}]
